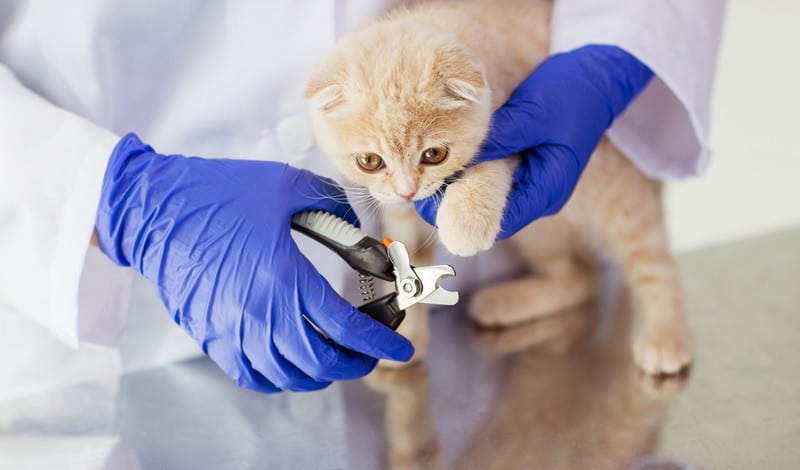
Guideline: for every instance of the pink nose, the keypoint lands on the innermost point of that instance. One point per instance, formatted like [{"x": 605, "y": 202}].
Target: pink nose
[{"x": 408, "y": 196}]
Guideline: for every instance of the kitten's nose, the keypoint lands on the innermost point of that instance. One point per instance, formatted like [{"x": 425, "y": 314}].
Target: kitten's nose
[{"x": 408, "y": 196}]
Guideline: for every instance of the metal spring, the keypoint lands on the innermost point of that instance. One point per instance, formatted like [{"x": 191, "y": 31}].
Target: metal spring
[{"x": 366, "y": 285}]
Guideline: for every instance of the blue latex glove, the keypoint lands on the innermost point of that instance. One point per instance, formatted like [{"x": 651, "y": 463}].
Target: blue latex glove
[
  {"x": 213, "y": 235},
  {"x": 554, "y": 120}
]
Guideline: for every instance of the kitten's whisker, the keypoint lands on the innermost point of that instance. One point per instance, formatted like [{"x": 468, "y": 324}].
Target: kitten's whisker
[
  {"x": 345, "y": 187},
  {"x": 318, "y": 195},
  {"x": 372, "y": 209},
  {"x": 430, "y": 239}
]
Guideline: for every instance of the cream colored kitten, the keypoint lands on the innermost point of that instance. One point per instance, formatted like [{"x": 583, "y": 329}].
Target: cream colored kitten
[{"x": 406, "y": 102}]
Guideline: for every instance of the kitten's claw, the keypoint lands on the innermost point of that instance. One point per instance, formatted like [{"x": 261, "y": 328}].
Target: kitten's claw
[{"x": 664, "y": 349}]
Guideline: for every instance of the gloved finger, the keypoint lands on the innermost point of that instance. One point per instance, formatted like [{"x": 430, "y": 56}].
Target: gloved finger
[
  {"x": 264, "y": 357},
  {"x": 318, "y": 192},
  {"x": 316, "y": 357},
  {"x": 428, "y": 208},
  {"x": 342, "y": 322},
  {"x": 250, "y": 379},
  {"x": 354, "y": 330},
  {"x": 512, "y": 130},
  {"x": 543, "y": 183}
]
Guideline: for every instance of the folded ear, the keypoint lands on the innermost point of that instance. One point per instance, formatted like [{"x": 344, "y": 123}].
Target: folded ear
[
  {"x": 324, "y": 97},
  {"x": 461, "y": 90},
  {"x": 464, "y": 81},
  {"x": 324, "y": 89}
]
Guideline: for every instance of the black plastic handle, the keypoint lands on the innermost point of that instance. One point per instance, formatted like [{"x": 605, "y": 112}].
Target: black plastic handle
[
  {"x": 367, "y": 256},
  {"x": 385, "y": 310}
]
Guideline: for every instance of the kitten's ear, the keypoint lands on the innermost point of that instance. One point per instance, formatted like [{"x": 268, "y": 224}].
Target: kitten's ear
[
  {"x": 459, "y": 90},
  {"x": 465, "y": 83},
  {"x": 324, "y": 90},
  {"x": 324, "y": 97}
]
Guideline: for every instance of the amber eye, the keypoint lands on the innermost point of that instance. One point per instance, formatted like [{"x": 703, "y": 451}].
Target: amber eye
[
  {"x": 434, "y": 155},
  {"x": 369, "y": 161}
]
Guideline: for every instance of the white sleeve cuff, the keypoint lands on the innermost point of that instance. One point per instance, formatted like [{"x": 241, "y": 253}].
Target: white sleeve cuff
[{"x": 665, "y": 129}]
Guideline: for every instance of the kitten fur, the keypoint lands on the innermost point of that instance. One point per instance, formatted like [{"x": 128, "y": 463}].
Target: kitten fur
[{"x": 430, "y": 76}]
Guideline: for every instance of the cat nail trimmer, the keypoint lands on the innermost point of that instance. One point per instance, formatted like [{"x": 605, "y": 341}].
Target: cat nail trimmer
[{"x": 387, "y": 260}]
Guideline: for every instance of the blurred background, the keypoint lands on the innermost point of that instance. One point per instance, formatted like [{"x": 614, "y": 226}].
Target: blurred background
[{"x": 751, "y": 185}]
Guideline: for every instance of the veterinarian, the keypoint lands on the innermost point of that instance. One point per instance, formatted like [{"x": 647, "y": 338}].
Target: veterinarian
[{"x": 85, "y": 206}]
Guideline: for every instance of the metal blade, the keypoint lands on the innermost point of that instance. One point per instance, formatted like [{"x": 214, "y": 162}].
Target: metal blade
[
  {"x": 441, "y": 296},
  {"x": 430, "y": 292}
]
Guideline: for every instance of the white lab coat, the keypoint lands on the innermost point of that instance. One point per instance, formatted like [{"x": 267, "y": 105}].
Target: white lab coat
[{"x": 226, "y": 79}]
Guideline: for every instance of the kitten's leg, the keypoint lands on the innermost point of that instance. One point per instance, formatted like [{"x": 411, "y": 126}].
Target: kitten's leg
[
  {"x": 634, "y": 230},
  {"x": 563, "y": 283},
  {"x": 472, "y": 207},
  {"x": 563, "y": 278},
  {"x": 550, "y": 335},
  {"x": 403, "y": 224},
  {"x": 664, "y": 341}
]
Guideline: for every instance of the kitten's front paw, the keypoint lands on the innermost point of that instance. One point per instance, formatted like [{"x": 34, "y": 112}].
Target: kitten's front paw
[
  {"x": 466, "y": 225},
  {"x": 663, "y": 349}
]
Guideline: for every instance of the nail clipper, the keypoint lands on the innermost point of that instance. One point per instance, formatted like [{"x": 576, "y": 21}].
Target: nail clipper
[{"x": 388, "y": 260}]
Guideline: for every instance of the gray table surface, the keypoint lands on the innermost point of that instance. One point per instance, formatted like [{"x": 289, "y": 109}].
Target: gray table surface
[{"x": 558, "y": 393}]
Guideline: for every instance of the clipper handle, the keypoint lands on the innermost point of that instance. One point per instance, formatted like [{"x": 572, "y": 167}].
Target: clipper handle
[
  {"x": 385, "y": 310},
  {"x": 363, "y": 253}
]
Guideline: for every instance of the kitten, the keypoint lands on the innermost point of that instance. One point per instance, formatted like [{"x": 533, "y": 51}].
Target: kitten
[{"x": 406, "y": 102}]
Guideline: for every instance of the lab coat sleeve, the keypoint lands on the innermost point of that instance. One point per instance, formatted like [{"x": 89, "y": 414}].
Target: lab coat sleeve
[
  {"x": 665, "y": 129},
  {"x": 51, "y": 168}
]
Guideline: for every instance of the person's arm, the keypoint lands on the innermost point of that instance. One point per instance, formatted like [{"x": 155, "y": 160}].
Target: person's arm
[
  {"x": 665, "y": 129},
  {"x": 212, "y": 236},
  {"x": 51, "y": 168}
]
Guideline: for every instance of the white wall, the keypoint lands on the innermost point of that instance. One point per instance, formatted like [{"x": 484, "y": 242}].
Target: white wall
[{"x": 753, "y": 183}]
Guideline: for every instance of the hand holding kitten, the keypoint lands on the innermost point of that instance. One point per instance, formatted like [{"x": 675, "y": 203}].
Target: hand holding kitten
[{"x": 554, "y": 120}]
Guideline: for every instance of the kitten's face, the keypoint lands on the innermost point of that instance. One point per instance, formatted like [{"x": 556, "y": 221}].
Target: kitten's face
[{"x": 399, "y": 109}]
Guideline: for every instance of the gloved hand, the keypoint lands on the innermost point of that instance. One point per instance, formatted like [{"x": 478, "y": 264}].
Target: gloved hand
[
  {"x": 554, "y": 120},
  {"x": 213, "y": 235}
]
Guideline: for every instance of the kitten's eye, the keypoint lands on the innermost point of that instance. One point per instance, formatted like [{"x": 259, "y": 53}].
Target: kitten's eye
[
  {"x": 369, "y": 162},
  {"x": 434, "y": 155}
]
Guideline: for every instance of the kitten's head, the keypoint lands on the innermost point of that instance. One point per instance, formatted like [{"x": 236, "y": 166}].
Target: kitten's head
[{"x": 399, "y": 107}]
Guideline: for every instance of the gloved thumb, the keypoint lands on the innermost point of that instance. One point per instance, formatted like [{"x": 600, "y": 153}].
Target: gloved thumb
[
  {"x": 428, "y": 208},
  {"x": 513, "y": 129}
]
